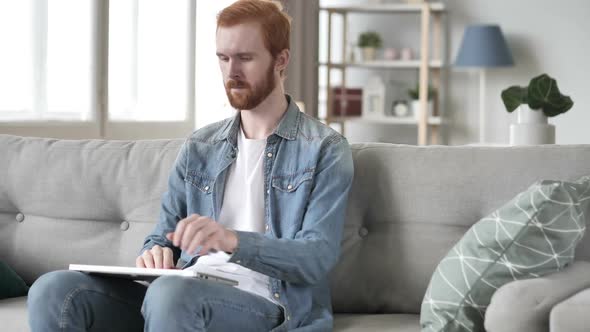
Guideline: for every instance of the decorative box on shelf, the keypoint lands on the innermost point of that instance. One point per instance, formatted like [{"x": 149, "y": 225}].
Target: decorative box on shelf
[{"x": 347, "y": 102}]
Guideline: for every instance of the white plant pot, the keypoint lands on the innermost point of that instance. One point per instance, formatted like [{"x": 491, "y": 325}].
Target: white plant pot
[
  {"x": 532, "y": 128},
  {"x": 369, "y": 53},
  {"x": 415, "y": 104}
]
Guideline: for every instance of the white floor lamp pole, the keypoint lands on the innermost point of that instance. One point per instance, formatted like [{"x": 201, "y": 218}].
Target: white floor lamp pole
[
  {"x": 482, "y": 101},
  {"x": 483, "y": 46}
]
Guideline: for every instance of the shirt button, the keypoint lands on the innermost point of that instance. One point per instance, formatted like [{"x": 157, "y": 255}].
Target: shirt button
[
  {"x": 266, "y": 227},
  {"x": 288, "y": 317},
  {"x": 238, "y": 261},
  {"x": 268, "y": 191},
  {"x": 206, "y": 188},
  {"x": 269, "y": 155},
  {"x": 289, "y": 187},
  {"x": 277, "y": 295}
]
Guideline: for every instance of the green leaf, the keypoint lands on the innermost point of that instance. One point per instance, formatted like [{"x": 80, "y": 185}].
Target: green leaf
[
  {"x": 370, "y": 39},
  {"x": 544, "y": 94},
  {"x": 551, "y": 110},
  {"x": 513, "y": 97}
]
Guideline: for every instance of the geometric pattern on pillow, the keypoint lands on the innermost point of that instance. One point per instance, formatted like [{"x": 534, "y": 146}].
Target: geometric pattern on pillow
[{"x": 534, "y": 234}]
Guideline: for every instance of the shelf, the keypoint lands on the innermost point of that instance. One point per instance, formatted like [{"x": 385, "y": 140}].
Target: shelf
[
  {"x": 385, "y": 8},
  {"x": 410, "y": 120},
  {"x": 380, "y": 64},
  {"x": 429, "y": 69}
]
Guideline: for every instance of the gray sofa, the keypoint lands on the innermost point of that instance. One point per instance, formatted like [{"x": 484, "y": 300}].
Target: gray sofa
[{"x": 93, "y": 201}]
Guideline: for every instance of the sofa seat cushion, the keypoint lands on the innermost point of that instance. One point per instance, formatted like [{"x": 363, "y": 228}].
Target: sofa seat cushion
[
  {"x": 13, "y": 314},
  {"x": 376, "y": 323},
  {"x": 14, "y": 318},
  {"x": 534, "y": 234}
]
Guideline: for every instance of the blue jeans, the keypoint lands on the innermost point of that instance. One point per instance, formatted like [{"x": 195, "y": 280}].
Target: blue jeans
[{"x": 75, "y": 301}]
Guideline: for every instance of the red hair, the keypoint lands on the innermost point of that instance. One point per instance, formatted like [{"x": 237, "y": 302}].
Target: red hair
[{"x": 275, "y": 23}]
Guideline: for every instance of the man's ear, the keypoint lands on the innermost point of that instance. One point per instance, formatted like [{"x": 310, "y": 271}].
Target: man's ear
[{"x": 282, "y": 60}]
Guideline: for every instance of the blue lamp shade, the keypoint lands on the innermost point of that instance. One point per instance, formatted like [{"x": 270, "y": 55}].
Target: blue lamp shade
[{"x": 483, "y": 46}]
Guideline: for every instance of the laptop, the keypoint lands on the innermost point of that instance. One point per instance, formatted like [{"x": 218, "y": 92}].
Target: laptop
[{"x": 138, "y": 273}]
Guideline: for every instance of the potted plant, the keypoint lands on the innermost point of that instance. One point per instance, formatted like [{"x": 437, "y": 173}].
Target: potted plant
[
  {"x": 369, "y": 42},
  {"x": 415, "y": 100},
  {"x": 535, "y": 103}
]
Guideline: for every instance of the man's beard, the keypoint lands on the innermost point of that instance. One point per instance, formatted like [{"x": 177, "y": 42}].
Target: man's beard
[{"x": 250, "y": 97}]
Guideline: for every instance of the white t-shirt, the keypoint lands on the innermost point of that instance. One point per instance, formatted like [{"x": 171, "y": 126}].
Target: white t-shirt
[{"x": 243, "y": 210}]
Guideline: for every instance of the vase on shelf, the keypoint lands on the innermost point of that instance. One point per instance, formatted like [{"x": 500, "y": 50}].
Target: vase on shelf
[
  {"x": 532, "y": 128},
  {"x": 415, "y": 106},
  {"x": 369, "y": 53}
]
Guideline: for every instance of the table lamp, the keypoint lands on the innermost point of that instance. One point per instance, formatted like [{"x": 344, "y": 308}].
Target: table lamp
[{"x": 483, "y": 46}]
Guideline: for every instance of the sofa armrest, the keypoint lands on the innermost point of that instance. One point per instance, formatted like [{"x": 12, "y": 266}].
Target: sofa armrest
[
  {"x": 571, "y": 315},
  {"x": 525, "y": 305}
]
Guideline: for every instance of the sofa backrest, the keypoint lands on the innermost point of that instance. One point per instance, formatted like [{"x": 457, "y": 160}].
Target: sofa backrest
[
  {"x": 409, "y": 205},
  {"x": 93, "y": 202},
  {"x": 78, "y": 201}
]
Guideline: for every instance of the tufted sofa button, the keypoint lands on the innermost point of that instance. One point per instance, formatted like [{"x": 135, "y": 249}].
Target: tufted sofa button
[
  {"x": 20, "y": 217},
  {"x": 363, "y": 232},
  {"x": 124, "y": 225}
]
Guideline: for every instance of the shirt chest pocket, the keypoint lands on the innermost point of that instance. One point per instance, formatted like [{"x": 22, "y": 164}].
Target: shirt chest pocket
[
  {"x": 296, "y": 182},
  {"x": 198, "y": 197},
  {"x": 201, "y": 182}
]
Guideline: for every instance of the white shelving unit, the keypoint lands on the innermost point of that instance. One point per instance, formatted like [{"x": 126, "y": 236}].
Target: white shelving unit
[
  {"x": 384, "y": 64},
  {"x": 429, "y": 69},
  {"x": 433, "y": 120}
]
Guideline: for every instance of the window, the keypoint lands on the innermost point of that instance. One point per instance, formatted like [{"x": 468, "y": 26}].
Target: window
[
  {"x": 44, "y": 63},
  {"x": 211, "y": 102},
  {"x": 148, "y": 60},
  {"x": 121, "y": 69}
]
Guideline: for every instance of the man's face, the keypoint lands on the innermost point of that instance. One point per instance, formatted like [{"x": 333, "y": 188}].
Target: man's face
[{"x": 247, "y": 67}]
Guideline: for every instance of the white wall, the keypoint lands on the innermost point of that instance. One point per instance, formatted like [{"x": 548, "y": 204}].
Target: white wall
[{"x": 544, "y": 36}]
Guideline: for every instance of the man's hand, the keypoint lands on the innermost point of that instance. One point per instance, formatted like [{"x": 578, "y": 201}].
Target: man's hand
[
  {"x": 196, "y": 230},
  {"x": 156, "y": 258}
]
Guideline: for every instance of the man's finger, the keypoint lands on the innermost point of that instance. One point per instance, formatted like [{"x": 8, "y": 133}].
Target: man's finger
[
  {"x": 178, "y": 232},
  {"x": 139, "y": 262},
  {"x": 191, "y": 229},
  {"x": 168, "y": 259},
  {"x": 148, "y": 260},
  {"x": 157, "y": 255},
  {"x": 202, "y": 239}
]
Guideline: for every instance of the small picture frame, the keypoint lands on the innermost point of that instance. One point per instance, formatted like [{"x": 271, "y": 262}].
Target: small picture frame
[{"x": 374, "y": 98}]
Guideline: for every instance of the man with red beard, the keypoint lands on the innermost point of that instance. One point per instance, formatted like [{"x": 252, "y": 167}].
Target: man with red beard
[{"x": 259, "y": 197}]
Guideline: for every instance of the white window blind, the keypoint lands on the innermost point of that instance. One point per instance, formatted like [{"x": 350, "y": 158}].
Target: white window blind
[
  {"x": 45, "y": 62},
  {"x": 148, "y": 60},
  {"x": 118, "y": 69},
  {"x": 211, "y": 101}
]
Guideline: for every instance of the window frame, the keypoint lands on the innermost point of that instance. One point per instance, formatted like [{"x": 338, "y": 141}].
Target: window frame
[{"x": 99, "y": 126}]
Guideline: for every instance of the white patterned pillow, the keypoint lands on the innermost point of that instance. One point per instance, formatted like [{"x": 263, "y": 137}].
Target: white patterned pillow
[{"x": 534, "y": 234}]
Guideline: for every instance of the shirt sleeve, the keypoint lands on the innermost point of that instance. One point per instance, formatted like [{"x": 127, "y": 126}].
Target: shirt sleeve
[{"x": 173, "y": 206}]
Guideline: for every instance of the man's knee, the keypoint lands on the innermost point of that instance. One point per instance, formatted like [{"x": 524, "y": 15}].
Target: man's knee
[
  {"x": 165, "y": 289},
  {"x": 54, "y": 286},
  {"x": 169, "y": 292}
]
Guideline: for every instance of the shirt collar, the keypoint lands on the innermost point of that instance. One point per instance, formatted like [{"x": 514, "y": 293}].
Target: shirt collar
[{"x": 286, "y": 129}]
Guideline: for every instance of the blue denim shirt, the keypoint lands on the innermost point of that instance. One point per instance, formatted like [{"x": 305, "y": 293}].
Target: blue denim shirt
[{"x": 308, "y": 172}]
